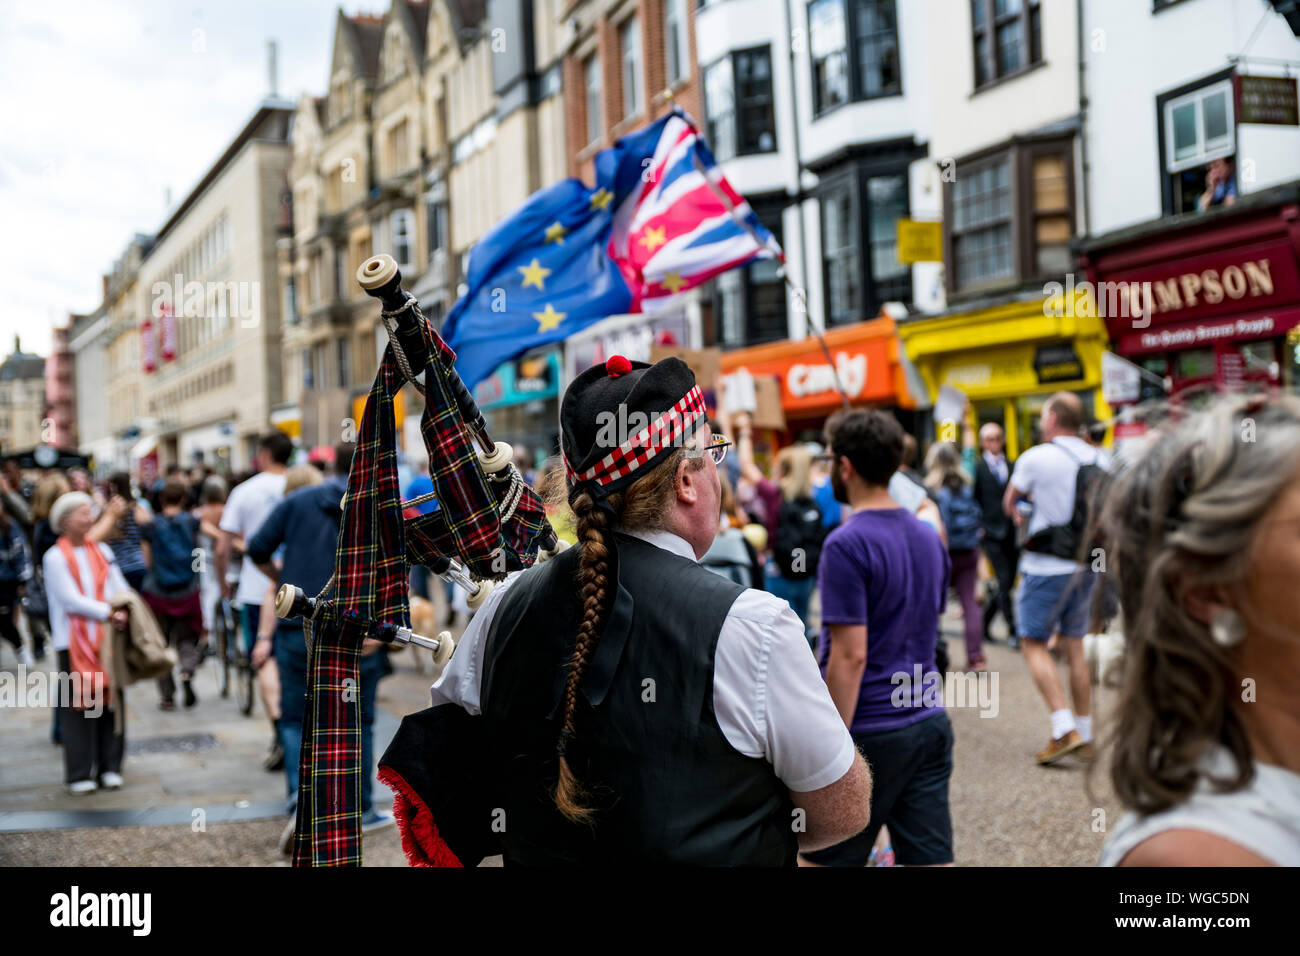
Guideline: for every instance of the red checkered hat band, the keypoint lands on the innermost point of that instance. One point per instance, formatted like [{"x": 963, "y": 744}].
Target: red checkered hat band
[{"x": 667, "y": 431}]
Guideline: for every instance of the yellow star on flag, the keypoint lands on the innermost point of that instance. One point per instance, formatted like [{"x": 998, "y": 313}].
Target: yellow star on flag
[
  {"x": 601, "y": 198},
  {"x": 548, "y": 319},
  {"x": 673, "y": 282},
  {"x": 556, "y": 233},
  {"x": 534, "y": 274},
  {"x": 654, "y": 238}
]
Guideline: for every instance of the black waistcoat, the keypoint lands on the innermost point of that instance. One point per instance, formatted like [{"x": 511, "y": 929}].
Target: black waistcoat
[{"x": 667, "y": 786}]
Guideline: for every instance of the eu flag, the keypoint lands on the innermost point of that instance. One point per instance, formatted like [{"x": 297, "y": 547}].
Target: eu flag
[{"x": 539, "y": 276}]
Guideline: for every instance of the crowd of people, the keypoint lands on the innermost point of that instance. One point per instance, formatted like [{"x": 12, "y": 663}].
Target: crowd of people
[
  {"x": 190, "y": 546},
  {"x": 1060, "y": 538},
  {"x": 1197, "y": 532}
]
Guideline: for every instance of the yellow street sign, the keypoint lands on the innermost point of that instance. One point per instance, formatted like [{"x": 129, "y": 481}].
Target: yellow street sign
[{"x": 919, "y": 241}]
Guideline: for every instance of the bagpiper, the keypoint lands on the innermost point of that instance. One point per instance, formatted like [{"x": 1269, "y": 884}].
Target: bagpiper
[{"x": 629, "y": 705}]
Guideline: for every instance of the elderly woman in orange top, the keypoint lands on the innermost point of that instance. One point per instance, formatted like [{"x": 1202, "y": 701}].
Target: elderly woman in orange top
[{"x": 80, "y": 577}]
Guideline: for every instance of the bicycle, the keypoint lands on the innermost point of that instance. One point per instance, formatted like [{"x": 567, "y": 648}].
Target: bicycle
[{"x": 230, "y": 654}]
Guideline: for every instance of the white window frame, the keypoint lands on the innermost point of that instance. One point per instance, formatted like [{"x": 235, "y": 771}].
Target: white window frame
[
  {"x": 676, "y": 42},
  {"x": 592, "y": 91},
  {"x": 1203, "y": 155},
  {"x": 401, "y": 222},
  {"x": 630, "y": 67}
]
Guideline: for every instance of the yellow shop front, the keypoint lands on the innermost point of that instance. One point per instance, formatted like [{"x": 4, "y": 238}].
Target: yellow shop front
[{"x": 1010, "y": 357}]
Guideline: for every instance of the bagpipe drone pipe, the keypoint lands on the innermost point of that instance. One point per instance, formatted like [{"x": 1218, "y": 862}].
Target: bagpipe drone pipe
[{"x": 488, "y": 524}]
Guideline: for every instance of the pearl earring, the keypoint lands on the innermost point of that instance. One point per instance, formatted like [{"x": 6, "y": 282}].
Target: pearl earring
[{"x": 1228, "y": 628}]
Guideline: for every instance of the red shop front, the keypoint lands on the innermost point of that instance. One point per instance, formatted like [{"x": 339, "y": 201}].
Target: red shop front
[{"x": 1209, "y": 300}]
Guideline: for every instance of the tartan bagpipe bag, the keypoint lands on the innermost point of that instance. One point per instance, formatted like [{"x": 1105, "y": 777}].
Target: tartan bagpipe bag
[{"x": 492, "y": 525}]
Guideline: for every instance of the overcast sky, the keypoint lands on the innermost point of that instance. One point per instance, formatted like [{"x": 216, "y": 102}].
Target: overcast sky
[{"x": 104, "y": 105}]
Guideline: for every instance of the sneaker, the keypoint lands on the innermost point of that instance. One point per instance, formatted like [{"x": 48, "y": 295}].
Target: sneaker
[
  {"x": 110, "y": 781},
  {"x": 1087, "y": 753},
  {"x": 190, "y": 697},
  {"x": 166, "y": 705},
  {"x": 1059, "y": 747},
  {"x": 374, "y": 820},
  {"x": 286, "y": 838},
  {"x": 25, "y": 656},
  {"x": 274, "y": 759},
  {"x": 79, "y": 787},
  {"x": 1013, "y": 642}
]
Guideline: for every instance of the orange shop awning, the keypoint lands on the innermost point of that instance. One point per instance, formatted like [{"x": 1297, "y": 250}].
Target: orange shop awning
[{"x": 865, "y": 354}]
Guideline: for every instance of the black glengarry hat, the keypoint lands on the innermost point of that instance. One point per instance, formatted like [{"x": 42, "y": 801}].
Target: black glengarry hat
[{"x": 621, "y": 419}]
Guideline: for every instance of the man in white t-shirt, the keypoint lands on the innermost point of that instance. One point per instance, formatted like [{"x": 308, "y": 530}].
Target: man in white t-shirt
[
  {"x": 1054, "y": 590},
  {"x": 246, "y": 508}
]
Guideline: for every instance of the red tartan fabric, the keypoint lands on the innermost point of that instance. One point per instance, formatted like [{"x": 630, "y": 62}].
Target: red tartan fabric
[
  {"x": 370, "y": 586},
  {"x": 329, "y": 771},
  {"x": 371, "y": 573}
]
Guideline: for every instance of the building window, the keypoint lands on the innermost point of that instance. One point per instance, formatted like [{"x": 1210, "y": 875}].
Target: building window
[
  {"x": 876, "y": 36},
  {"x": 398, "y": 148},
  {"x": 402, "y": 225},
  {"x": 730, "y": 307},
  {"x": 675, "y": 42},
  {"x": 591, "y": 81},
  {"x": 886, "y": 204},
  {"x": 870, "y": 30},
  {"x": 756, "y": 127},
  {"x": 340, "y": 272},
  {"x": 1010, "y": 216},
  {"x": 1198, "y": 142},
  {"x": 738, "y": 104},
  {"x": 981, "y": 224},
  {"x": 345, "y": 361},
  {"x": 749, "y": 304},
  {"x": 720, "y": 109},
  {"x": 1007, "y": 37},
  {"x": 1051, "y": 212},
  {"x": 629, "y": 41},
  {"x": 861, "y": 203},
  {"x": 437, "y": 225},
  {"x": 828, "y": 45},
  {"x": 840, "y": 253}
]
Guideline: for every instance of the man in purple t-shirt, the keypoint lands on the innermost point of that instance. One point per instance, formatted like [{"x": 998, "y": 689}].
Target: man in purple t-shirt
[{"x": 883, "y": 579}]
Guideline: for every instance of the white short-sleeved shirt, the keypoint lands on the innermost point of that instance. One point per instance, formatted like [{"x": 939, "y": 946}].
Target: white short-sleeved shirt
[
  {"x": 1046, "y": 474},
  {"x": 246, "y": 508},
  {"x": 769, "y": 697}
]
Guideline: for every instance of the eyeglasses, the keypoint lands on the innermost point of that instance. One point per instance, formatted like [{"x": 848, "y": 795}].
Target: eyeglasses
[{"x": 717, "y": 449}]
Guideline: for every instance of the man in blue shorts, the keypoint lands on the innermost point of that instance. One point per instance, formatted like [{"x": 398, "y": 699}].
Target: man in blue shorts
[{"x": 1054, "y": 590}]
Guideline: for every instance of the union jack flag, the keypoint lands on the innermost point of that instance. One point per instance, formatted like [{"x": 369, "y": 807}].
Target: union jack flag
[{"x": 677, "y": 222}]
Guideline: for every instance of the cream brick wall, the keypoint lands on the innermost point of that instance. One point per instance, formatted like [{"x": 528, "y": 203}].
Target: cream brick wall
[{"x": 227, "y": 369}]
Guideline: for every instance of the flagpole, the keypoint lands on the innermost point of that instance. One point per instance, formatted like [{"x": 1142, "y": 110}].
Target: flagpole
[{"x": 800, "y": 296}]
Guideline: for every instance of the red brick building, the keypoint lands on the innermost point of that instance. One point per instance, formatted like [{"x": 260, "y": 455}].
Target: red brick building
[{"x": 623, "y": 58}]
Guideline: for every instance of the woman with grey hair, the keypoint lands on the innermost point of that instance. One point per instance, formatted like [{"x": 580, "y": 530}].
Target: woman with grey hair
[
  {"x": 80, "y": 577},
  {"x": 1204, "y": 539}
]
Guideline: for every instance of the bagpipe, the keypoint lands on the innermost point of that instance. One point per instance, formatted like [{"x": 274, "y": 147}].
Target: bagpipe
[{"x": 488, "y": 523}]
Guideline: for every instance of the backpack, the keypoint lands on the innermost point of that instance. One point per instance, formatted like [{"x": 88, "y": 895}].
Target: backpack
[
  {"x": 962, "y": 518},
  {"x": 173, "y": 552},
  {"x": 797, "y": 545},
  {"x": 731, "y": 556},
  {"x": 1076, "y": 540}
]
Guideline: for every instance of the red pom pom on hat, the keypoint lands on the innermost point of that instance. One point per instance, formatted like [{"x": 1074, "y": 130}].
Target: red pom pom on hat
[{"x": 617, "y": 365}]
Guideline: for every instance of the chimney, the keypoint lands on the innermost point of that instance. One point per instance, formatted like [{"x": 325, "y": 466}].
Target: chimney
[{"x": 271, "y": 69}]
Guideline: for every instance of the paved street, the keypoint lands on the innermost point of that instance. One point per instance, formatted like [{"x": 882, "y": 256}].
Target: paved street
[{"x": 1006, "y": 810}]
